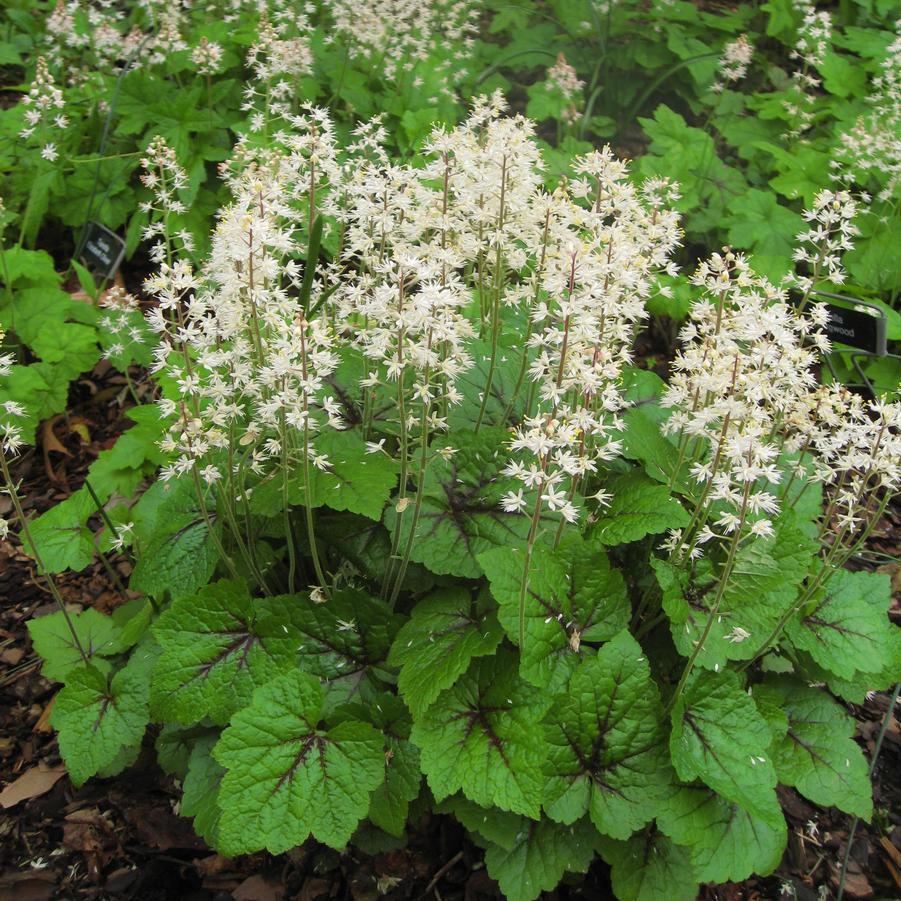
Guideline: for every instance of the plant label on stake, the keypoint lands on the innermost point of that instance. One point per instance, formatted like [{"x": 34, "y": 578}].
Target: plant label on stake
[
  {"x": 103, "y": 250},
  {"x": 859, "y": 324}
]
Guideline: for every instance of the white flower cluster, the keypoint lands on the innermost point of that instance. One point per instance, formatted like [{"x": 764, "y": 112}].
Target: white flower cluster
[
  {"x": 43, "y": 104},
  {"x": 852, "y": 446},
  {"x": 747, "y": 356},
  {"x": 207, "y": 57},
  {"x": 563, "y": 79},
  {"x": 121, "y": 321},
  {"x": 873, "y": 146},
  {"x": 417, "y": 246},
  {"x": 604, "y": 244},
  {"x": 397, "y": 35},
  {"x": 814, "y": 36},
  {"x": 280, "y": 55},
  {"x": 821, "y": 246},
  {"x": 733, "y": 64},
  {"x": 248, "y": 363},
  {"x": 165, "y": 178},
  {"x": 10, "y": 432},
  {"x": 749, "y": 410}
]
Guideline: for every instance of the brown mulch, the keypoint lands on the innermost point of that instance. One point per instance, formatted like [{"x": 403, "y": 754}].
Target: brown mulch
[{"x": 122, "y": 838}]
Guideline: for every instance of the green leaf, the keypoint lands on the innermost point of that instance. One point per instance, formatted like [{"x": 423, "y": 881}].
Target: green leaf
[
  {"x": 482, "y": 737},
  {"x": 390, "y": 802},
  {"x": 35, "y": 266},
  {"x": 804, "y": 171},
  {"x": 355, "y": 480},
  {"x": 726, "y": 843},
  {"x": 720, "y": 738},
  {"x": 287, "y": 778},
  {"x": 97, "y": 719},
  {"x": 121, "y": 468},
  {"x": 200, "y": 789},
  {"x": 217, "y": 648},
  {"x": 763, "y": 586},
  {"x": 644, "y": 441},
  {"x": 61, "y": 536},
  {"x": 873, "y": 263},
  {"x": 31, "y": 310},
  {"x": 817, "y": 755},
  {"x": 176, "y": 554},
  {"x": 688, "y": 155},
  {"x": 504, "y": 384},
  {"x": 344, "y": 641},
  {"x": 649, "y": 867},
  {"x": 71, "y": 346},
  {"x": 53, "y": 641},
  {"x": 174, "y": 745},
  {"x": 131, "y": 620},
  {"x": 97, "y": 191},
  {"x": 496, "y": 827},
  {"x": 41, "y": 388},
  {"x": 86, "y": 280},
  {"x": 842, "y": 75},
  {"x": 542, "y": 853},
  {"x": 849, "y": 628},
  {"x": 607, "y": 753},
  {"x": 461, "y": 510},
  {"x": 435, "y": 647},
  {"x": 639, "y": 507},
  {"x": 767, "y": 229},
  {"x": 574, "y": 597}
]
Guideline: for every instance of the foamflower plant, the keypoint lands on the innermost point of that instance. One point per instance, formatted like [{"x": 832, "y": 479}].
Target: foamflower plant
[{"x": 426, "y": 536}]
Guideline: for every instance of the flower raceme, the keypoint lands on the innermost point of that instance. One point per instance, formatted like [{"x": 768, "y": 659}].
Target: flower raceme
[
  {"x": 430, "y": 268},
  {"x": 346, "y": 293}
]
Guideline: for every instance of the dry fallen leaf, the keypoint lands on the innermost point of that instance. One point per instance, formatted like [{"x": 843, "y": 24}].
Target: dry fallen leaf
[
  {"x": 43, "y": 723},
  {"x": 32, "y": 783},
  {"x": 258, "y": 888},
  {"x": 50, "y": 443}
]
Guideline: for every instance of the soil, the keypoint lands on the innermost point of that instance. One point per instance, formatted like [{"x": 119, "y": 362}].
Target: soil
[{"x": 122, "y": 838}]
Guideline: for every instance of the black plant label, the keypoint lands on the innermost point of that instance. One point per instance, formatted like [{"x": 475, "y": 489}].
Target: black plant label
[
  {"x": 856, "y": 328},
  {"x": 103, "y": 250}
]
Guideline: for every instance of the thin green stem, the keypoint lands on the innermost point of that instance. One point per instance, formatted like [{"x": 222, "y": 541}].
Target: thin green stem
[
  {"x": 715, "y": 608},
  {"x": 26, "y": 531}
]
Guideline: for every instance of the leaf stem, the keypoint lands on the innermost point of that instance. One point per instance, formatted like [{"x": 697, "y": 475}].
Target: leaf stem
[{"x": 26, "y": 531}]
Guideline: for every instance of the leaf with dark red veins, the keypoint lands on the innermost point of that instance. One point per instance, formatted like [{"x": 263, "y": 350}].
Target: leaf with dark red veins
[
  {"x": 97, "y": 718},
  {"x": 542, "y": 853},
  {"x": 573, "y": 599},
  {"x": 720, "y": 738},
  {"x": 287, "y": 777},
  {"x": 390, "y": 802},
  {"x": 607, "y": 754},
  {"x": 726, "y": 843},
  {"x": 461, "y": 512},
  {"x": 649, "y": 867},
  {"x": 434, "y": 648},
  {"x": 849, "y": 629},
  {"x": 483, "y": 736},
  {"x": 344, "y": 641},
  {"x": 218, "y": 645},
  {"x": 817, "y": 753}
]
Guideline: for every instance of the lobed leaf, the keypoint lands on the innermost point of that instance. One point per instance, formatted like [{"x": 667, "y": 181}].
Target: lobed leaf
[
  {"x": 606, "y": 752},
  {"x": 434, "y": 648},
  {"x": 726, "y": 843},
  {"x": 482, "y": 736},
  {"x": 217, "y": 648},
  {"x": 97, "y": 719},
  {"x": 287, "y": 778},
  {"x": 573, "y": 599},
  {"x": 719, "y": 737}
]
